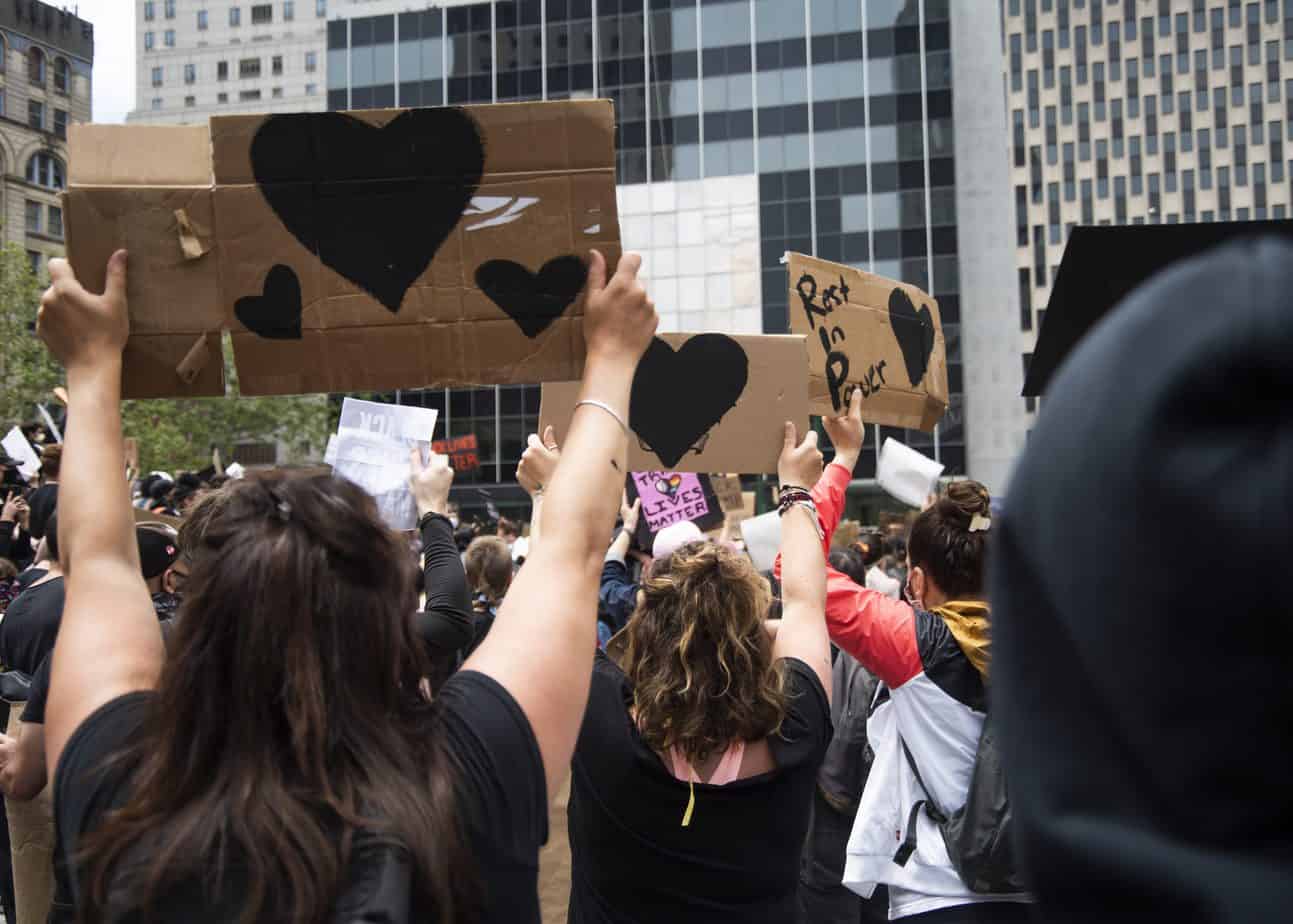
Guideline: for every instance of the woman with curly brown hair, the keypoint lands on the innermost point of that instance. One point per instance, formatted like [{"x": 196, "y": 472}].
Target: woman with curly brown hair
[{"x": 699, "y": 751}]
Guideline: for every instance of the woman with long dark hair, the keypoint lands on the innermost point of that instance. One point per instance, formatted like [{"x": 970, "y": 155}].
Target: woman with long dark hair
[{"x": 283, "y": 764}]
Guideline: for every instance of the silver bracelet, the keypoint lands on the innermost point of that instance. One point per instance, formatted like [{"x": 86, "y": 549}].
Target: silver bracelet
[{"x": 608, "y": 409}]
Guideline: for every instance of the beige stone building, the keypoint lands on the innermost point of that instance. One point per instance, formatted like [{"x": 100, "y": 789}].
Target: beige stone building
[
  {"x": 1141, "y": 111},
  {"x": 45, "y": 58}
]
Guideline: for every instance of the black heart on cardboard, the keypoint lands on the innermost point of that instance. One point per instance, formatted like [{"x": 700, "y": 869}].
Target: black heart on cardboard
[
  {"x": 533, "y": 300},
  {"x": 914, "y": 331},
  {"x": 275, "y": 314},
  {"x": 374, "y": 203},
  {"x": 678, "y": 396}
]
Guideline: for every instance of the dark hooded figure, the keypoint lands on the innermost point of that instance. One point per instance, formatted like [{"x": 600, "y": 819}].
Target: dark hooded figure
[{"x": 1145, "y": 705}]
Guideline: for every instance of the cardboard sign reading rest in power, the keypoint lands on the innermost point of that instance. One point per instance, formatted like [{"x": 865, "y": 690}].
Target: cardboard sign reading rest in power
[
  {"x": 875, "y": 334},
  {"x": 705, "y": 403},
  {"x": 360, "y": 251}
]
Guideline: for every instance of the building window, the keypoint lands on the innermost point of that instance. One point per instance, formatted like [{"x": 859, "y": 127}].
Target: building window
[
  {"x": 1052, "y": 137},
  {"x": 1120, "y": 200},
  {"x": 169, "y": 7},
  {"x": 157, "y": 103},
  {"x": 61, "y": 75},
  {"x": 60, "y": 123},
  {"x": 222, "y": 97},
  {"x": 1066, "y": 95},
  {"x": 248, "y": 96},
  {"x": 311, "y": 61},
  {"x": 1070, "y": 173},
  {"x": 33, "y": 260},
  {"x": 148, "y": 41},
  {"x": 169, "y": 38},
  {"x": 289, "y": 11},
  {"x": 36, "y": 115},
  {"x": 36, "y": 66},
  {"x": 262, "y": 13},
  {"x": 34, "y": 212},
  {"x": 222, "y": 70},
  {"x": 1102, "y": 168},
  {"x": 150, "y": 10},
  {"x": 55, "y": 226},
  {"x": 1034, "y": 101},
  {"x": 1035, "y": 172},
  {"x": 1039, "y": 256},
  {"x": 157, "y": 76},
  {"x": 1048, "y": 59},
  {"x": 1276, "y": 153},
  {"x": 202, "y": 20},
  {"x": 1021, "y": 216},
  {"x": 1088, "y": 204},
  {"x": 44, "y": 169},
  {"x": 190, "y": 102},
  {"x": 1053, "y": 212},
  {"x": 2, "y": 109},
  {"x": 1134, "y": 164},
  {"x": 311, "y": 89},
  {"x": 1025, "y": 299},
  {"x": 1016, "y": 63},
  {"x": 249, "y": 67},
  {"x": 235, "y": 16},
  {"x": 320, "y": 8},
  {"x": 1079, "y": 52},
  {"x": 276, "y": 65},
  {"x": 1017, "y": 136},
  {"x": 190, "y": 73},
  {"x": 1084, "y": 132},
  {"x": 276, "y": 93}
]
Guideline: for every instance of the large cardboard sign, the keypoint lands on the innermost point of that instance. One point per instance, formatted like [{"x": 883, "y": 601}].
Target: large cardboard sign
[
  {"x": 359, "y": 251},
  {"x": 705, "y": 402},
  {"x": 865, "y": 331}
]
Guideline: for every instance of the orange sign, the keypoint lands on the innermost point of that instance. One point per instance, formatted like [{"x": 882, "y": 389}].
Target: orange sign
[{"x": 461, "y": 450}]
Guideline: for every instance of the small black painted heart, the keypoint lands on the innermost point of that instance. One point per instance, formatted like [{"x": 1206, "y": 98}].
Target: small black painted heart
[
  {"x": 533, "y": 300},
  {"x": 914, "y": 331},
  {"x": 275, "y": 314},
  {"x": 678, "y": 396},
  {"x": 374, "y": 203}
]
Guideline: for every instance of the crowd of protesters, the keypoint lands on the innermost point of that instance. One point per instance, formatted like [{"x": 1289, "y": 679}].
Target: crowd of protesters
[{"x": 276, "y": 711}]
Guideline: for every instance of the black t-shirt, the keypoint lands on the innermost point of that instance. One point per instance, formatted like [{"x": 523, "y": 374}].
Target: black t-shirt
[
  {"x": 502, "y": 796},
  {"x": 34, "y": 712},
  {"x": 30, "y": 626},
  {"x": 737, "y": 861}
]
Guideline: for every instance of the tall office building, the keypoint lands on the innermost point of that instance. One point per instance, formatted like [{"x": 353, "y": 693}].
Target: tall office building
[
  {"x": 46, "y": 55},
  {"x": 745, "y": 128},
  {"x": 198, "y": 58},
  {"x": 1134, "y": 112}
]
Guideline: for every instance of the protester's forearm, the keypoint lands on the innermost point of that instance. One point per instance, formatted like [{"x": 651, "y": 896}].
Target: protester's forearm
[
  {"x": 443, "y": 575},
  {"x": 587, "y": 484},
  {"x": 619, "y": 549},
  {"x": 94, "y": 512},
  {"x": 803, "y": 579},
  {"x": 536, "y": 522}
]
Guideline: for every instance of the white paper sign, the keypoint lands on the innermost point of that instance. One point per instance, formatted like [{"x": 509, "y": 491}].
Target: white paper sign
[
  {"x": 909, "y": 476},
  {"x": 371, "y": 448},
  {"x": 762, "y": 535},
  {"x": 17, "y": 446},
  {"x": 49, "y": 423}
]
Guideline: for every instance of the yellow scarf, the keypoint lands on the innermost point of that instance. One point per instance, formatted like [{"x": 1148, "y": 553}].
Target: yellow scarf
[{"x": 969, "y": 623}]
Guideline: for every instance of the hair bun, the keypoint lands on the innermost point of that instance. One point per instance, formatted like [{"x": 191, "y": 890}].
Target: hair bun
[{"x": 970, "y": 498}]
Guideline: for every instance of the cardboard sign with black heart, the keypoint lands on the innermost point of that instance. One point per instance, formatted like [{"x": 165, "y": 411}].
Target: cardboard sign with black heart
[
  {"x": 360, "y": 251},
  {"x": 868, "y": 332},
  {"x": 705, "y": 402}
]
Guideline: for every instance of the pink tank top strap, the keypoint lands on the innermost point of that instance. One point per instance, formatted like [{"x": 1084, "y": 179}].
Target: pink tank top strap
[{"x": 726, "y": 772}]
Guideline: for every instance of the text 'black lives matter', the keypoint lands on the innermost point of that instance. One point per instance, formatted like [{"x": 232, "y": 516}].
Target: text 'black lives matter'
[
  {"x": 375, "y": 203},
  {"x": 678, "y": 397},
  {"x": 533, "y": 300},
  {"x": 914, "y": 331},
  {"x": 275, "y": 314}
]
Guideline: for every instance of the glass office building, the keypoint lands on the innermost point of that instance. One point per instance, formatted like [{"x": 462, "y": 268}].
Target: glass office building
[{"x": 745, "y": 128}]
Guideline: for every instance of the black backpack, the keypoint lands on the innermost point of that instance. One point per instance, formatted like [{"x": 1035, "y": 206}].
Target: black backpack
[{"x": 979, "y": 835}]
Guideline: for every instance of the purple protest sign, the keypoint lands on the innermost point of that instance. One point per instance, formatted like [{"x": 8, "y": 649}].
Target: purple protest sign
[{"x": 672, "y": 497}]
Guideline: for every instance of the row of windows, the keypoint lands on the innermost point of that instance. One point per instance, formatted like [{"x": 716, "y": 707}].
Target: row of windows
[
  {"x": 44, "y": 219},
  {"x": 38, "y": 116},
  {"x": 36, "y": 67},
  {"x": 244, "y": 96},
  {"x": 261, "y": 14},
  {"x": 1180, "y": 23},
  {"x": 247, "y": 67}
]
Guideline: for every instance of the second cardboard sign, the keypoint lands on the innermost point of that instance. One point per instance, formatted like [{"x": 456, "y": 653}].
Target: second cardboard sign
[{"x": 705, "y": 402}]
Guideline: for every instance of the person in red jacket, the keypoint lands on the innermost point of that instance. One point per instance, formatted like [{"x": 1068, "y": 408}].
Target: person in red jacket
[{"x": 931, "y": 654}]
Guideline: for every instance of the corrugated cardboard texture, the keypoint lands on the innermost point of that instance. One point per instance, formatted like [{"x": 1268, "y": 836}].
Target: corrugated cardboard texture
[
  {"x": 903, "y": 385},
  {"x": 546, "y": 190},
  {"x": 746, "y": 438}
]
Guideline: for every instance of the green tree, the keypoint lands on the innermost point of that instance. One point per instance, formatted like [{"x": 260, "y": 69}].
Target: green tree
[{"x": 173, "y": 434}]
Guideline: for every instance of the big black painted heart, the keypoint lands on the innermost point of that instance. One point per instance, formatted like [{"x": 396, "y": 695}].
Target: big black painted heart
[
  {"x": 275, "y": 314},
  {"x": 914, "y": 331},
  {"x": 533, "y": 300},
  {"x": 678, "y": 396},
  {"x": 374, "y": 203}
]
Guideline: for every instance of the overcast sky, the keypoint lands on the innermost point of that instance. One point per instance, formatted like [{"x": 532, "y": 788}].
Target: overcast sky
[{"x": 114, "y": 55}]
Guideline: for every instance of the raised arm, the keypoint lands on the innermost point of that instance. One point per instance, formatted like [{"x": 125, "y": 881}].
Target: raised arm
[
  {"x": 538, "y": 462},
  {"x": 108, "y": 643},
  {"x": 445, "y": 624},
  {"x": 541, "y": 645},
  {"x": 802, "y": 631}
]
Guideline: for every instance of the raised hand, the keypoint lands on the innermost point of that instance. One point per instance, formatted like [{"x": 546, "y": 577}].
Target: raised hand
[
  {"x": 619, "y": 317},
  {"x": 538, "y": 462},
  {"x": 847, "y": 432},
  {"x": 800, "y": 465},
  {"x": 430, "y": 483},
  {"x": 81, "y": 329}
]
